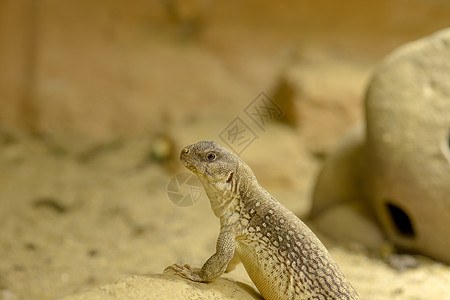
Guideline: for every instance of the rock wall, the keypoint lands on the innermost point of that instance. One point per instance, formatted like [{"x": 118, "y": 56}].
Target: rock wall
[{"x": 111, "y": 67}]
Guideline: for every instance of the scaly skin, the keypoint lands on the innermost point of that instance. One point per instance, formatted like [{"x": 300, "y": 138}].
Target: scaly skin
[{"x": 282, "y": 256}]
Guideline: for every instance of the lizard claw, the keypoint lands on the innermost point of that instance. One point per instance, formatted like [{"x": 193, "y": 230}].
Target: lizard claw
[
  {"x": 185, "y": 271},
  {"x": 177, "y": 268}
]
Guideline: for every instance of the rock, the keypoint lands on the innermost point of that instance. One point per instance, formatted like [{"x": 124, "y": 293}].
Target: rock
[
  {"x": 168, "y": 286},
  {"x": 340, "y": 207},
  {"x": 340, "y": 181},
  {"x": 402, "y": 262},
  {"x": 408, "y": 133},
  {"x": 399, "y": 171},
  {"x": 349, "y": 223}
]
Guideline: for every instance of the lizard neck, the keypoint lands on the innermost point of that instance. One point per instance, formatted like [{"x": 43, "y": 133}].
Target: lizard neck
[{"x": 226, "y": 196}]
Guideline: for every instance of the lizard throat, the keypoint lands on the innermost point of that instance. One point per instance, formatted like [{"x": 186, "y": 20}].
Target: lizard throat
[{"x": 220, "y": 195}]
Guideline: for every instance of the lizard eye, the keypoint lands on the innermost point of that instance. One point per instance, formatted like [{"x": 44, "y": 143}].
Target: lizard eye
[{"x": 211, "y": 156}]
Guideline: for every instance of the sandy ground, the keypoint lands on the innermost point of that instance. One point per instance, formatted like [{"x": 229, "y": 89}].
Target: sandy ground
[{"x": 77, "y": 214}]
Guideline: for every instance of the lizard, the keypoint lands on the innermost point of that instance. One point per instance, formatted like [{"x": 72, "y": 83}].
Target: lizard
[{"x": 283, "y": 257}]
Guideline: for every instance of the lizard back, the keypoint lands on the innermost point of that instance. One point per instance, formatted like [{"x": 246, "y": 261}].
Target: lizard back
[{"x": 283, "y": 257}]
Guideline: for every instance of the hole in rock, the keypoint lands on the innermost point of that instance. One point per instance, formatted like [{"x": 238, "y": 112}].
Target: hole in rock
[
  {"x": 448, "y": 141},
  {"x": 401, "y": 220},
  {"x": 446, "y": 147}
]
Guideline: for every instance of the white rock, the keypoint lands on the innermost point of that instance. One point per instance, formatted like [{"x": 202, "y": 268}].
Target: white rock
[{"x": 408, "y": 132}]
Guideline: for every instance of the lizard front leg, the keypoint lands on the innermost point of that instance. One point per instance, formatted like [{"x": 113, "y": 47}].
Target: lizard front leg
[{"x": 215, "y": 265}]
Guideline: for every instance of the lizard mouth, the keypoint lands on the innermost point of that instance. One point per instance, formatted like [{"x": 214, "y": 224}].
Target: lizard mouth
[
  {"x": 194, "y": 168},
  {"x": 190, "y": 166}
]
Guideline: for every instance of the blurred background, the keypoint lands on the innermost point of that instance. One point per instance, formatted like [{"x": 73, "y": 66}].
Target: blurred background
[
  {"x": 98, "y": 97},
  {"x": 111, "y": 67}
]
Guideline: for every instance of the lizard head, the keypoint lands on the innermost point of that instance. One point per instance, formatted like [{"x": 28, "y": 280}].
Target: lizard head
[{"x": 219, "y": 170}]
